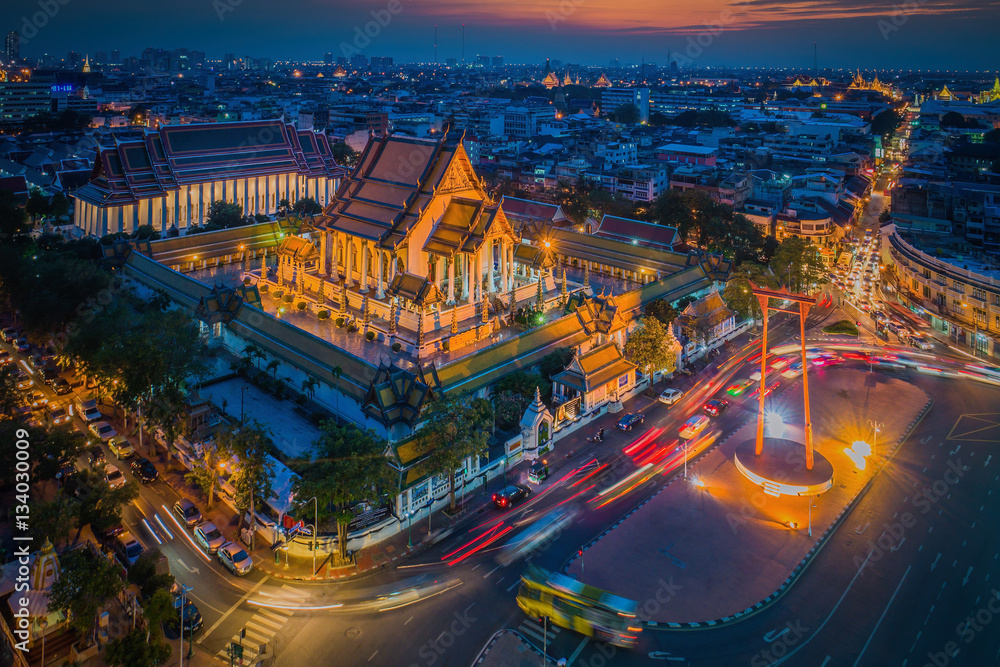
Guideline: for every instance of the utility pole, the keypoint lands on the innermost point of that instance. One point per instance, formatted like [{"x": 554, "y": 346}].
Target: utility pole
[{"x": 184, "y": 591}]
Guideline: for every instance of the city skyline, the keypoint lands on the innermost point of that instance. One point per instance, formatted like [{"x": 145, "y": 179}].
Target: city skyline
[{"x": 932, "y": 35}]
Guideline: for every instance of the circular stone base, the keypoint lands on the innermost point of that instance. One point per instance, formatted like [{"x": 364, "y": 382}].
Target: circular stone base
[{"x": 781, "y": 468}]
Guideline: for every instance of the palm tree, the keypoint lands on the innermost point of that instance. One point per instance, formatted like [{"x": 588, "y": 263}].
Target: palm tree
[
  {"x": 283, "y": 207},
  {"x": 272, "y": 368},
  {"x": 309, "y": 386}
]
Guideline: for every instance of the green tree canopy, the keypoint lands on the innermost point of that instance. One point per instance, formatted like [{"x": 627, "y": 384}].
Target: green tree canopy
[
  {"x": 661, "y": 310},
  {"x": 253, "y": 478},
  {"x": 627, "y": 114},
  {"x": 649, "y": 347},
  {"x": 455, "y": 429},
  {"x": 737, "y": 293},
  {"x": 798, "y": 264},
  {"x": 307, "y": 206},
  {"x": 86, "y": 581},
  {"x": 225, "y": 214}
]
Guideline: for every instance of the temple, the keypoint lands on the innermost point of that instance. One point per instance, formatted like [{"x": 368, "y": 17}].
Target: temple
[{"x": 169, "y": 179}]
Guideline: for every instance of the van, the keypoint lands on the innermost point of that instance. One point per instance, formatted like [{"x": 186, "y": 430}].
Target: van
[
  {"x": 86, "y": 408},
  {"x": 127, "y": 548}
]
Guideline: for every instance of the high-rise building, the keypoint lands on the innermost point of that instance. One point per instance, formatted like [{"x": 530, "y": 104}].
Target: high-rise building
[
  {"x": 101, "y": 58},
  {"x": 359, "y": 61},
  {"x": 116, "y": 57},
  {"x": 483, "y": 61},
  {"x": 72, "y": 59},
  {"x": 381, "y": 63},
  {"x": 498, "y": 61},
  {"x": 327, "y": 58},
  {"x": 22, "y": 100},
  {"x": 12, "y": 46}
]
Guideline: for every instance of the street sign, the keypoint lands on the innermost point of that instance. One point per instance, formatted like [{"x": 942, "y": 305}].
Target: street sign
[{"x": 236, "y": 650}]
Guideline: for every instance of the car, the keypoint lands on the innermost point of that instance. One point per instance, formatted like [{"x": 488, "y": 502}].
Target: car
[
  {"x": 755, "y": 376},
  {"x": 670, "y": 396},
  {"x": 737, "y": 388},
  {"x": 208, "y": 536},
  {"x": 767, "y": 391},
  {"x": 920, "y": 342},
  {"x": 127, "y": 548},
  {"x": 37, "y": 360},
  {"x": 24, "y": 380},
  {"x": 630, "y": 420},
  {"x": 510, "y": 495},
  {"x": 693, "y": 426},
  {"x": 58, "y": 415},
  {"x": 22, "y": 345},
  {"x": 38, "y": 400},
  {"x": 103, "y": 430},
  {"x": 120, "y": 447},
  {"x": 49, "y": 374},
  {"x": 234, "y": 558},
  {"x": 191, "y": 617},
  {"x": 61, "y": 386},
  {"x": 828, "y": 359},
  {"x": 114, "y": 476},
  {"x": 188, "y": 512},
  {"x": 793, "y": 371},
  {"x": 112, "y": 531},
  {"x": 716, "y": 407},
  {"x": 780, "y": 363},
  {"x": 538, "y": 473},
  {"x": 144, "y": 470},
  {"x": 9, "y": 334},
  {"x": 95, "y": 456},
  {"x": 5, "y": 357}
]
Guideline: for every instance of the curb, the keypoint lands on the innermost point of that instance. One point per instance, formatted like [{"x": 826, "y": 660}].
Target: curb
[
  {"x": 499, "y": 633},
  {"x": 813, "y": 552}
]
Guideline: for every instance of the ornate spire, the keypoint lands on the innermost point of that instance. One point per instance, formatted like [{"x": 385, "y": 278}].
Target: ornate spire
[
  {"x": 564, "y": 290},
  {"x": 322, "y": 289},
  {"x": 486, "y": 307},
  {"x": 263, "y": 264},
  {"x": 454, "y": 319},
  {"x": 343, "y": 296},
  {"x": 420, "y": 331},
  {"x": 392, "y": 316},
  {"x": 300, "y": 279},
  {"x": 541, "y": 289},
  {"x": 586, "y": 274},
  {"x": 366, "y": 311}
]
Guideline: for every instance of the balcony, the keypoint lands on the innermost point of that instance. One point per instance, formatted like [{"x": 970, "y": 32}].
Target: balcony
[{"x": 973, "y": 301}]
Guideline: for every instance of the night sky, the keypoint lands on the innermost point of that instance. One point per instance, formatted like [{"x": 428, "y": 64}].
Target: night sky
[{"x": 854, "y": 33}]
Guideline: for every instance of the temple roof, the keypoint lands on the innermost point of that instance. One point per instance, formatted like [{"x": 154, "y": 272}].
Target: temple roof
[
  {"x": 421, "y": 291},
  {"x": 298, "y": 249},
  {"x": 465, "y": 226},
  {"x": 396, "y": 395},
  {"x": 596, "y": 368},
  {"x": 222, "y": 303},
  {"x": 178, "y": 155},
  {"x": 395, "y": 181}
]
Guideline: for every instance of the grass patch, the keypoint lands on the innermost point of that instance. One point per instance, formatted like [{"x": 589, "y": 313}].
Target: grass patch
[{"x": 845, "y": 327}]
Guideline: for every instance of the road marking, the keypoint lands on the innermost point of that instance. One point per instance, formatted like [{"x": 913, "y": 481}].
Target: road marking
[
  {"x": 929, "y": 612},
  {"x": 967, "y": 574},
  {"x": 511, "y": 587},
  {"x": 408, "y": 620},
  {"x": 573, "y": 656},
  {"x": 487, "y": 575},
  {"x": 825, "y": 661},
  {"x": 373, "y": 655},
  {"x": 934, "y": 564},
  {"x": 231, "y": 610},
  {"x": 268, "y": 621},
  {"x": 884, "y": 612}
]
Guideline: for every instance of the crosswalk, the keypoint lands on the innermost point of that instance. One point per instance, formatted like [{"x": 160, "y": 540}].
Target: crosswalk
[
  {"x": 262, "y": 627},
  {"x": 532, "y": 629}
]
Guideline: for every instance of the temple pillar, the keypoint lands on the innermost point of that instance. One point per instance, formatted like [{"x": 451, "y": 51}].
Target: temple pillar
[
  {"x": 490, "y": 250},
  {"x": 348, "y": 260},
  {"x": 465, "y": 276},
  {"x": 364, "y": 266},
  {"x": 334, "y": 252},
  {"x": 323, "y": 252},
  {"x": 381, "y": 286},
  {"x": 451, "y": 279}
]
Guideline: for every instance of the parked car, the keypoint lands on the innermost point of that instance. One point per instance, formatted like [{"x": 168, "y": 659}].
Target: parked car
[
  {"x": 190, "y": 617},
  {"x": 5, "y": 357},
  {"x": 61, "y": 386},
  {"x": 38, "y": 400},
  {"x": 670, "y": 396},
  {"x": 95, "y": 456},
  {"x": 630, "y": 420},
  {"x": 188, "y": 512},
  {"x": 693, "y": 426},
  {"x": 127, "y": 548},
  {"x": 510, "y": 495},
  {"x": 22, "y": 345},
  {"x": 24, "y": 380},
  {"x": 114, "y": 476},
  {"x": 716, "y": 407},
  {"x": 49, "y": 374},
  {"x": 920, "y": 342},
  {"x": 235, "y": 559},
  {"x": 9, "y": 334},
  {"x": 58, "y": 415},
  {"x": 208, "y": 536},
  {"x": 120, "y": 447},
  {"x": 144, "y": 470},
  {"x": 103, "y": 430}
]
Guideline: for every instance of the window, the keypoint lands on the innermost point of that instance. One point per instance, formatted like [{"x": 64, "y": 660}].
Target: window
[
  {"x": 927, "y": 292},
  {"x": 959, "y": 287},
  {"x": 979, "y": 293},
  {"x": 980, "y": 316}
]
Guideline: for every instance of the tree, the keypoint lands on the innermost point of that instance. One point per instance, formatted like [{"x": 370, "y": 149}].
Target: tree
[
  {"x": 737, "y": 293},
  {"x": 37, "y": 204},
  {"x": 283, "y": 207},
  {"x": 208, "y": 474},
  {"x": 573, "y": 200},
  {"x": 649, "y": 347},
  {"x": 348, "y": 467},
  {"x": 953, "y": 119},
  {"x": 272, "y": 368},
  {"x": 53, "y": 520},
  {"x": 225, "y": 214},
  {"x": 337, "y": 372},
  {"x": 11, "y": 398},
  {"x": 135, "y": 650},
  {"x": 144, "y": 575},
  {"x": 309, "y": 386},
  {"x": 344, "y": 154},
  {"x": 254, "y": 354},
  {"x": 661, "y": 310},
  {"x": 512, "y": 394},
  {"x": 455, "y": 429},
  {"x": 885, "y": 123},
  {"x": 627, "y": 114},
  {"x": 12, "y": 215},
  {"x": 54, "y": 449},
  {"x": 992, "y": 137},
  {"x": 555, "y": 362},
  {"x": 59, "y": 206},
  {"x": 798, "y": 264},
  {"x": 86, "y": 581},
  {"x": 100, "y": 505},
  {"x": 307, "y": 206},
  {"x": 254, "y": 474}
]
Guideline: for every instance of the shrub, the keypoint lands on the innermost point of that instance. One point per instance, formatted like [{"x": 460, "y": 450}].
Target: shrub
[
  {"x": 842, "y": 327},
  {"x": 323, "y": 314},
  {"x": 370, "y": 336},
  {"x": 264, "y": 288},
  {"x": 352, "y": 327},
  {"x": 396, "y": 347},
  {"x": 246, "y": 281},
  {"x": 445, "y": 345},
  {"x": 301, "y": 305},
  {"x": 339, "y": 322},
  {"x": 288, "y": 298},
  {"x": 278, "y": 293}
]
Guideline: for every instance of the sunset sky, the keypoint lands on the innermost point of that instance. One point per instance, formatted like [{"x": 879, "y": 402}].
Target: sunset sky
[{"x": 853, "y": 33}]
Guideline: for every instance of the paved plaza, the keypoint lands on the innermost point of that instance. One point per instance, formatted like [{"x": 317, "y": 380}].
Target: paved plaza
[{"x": 728, "y": 545}]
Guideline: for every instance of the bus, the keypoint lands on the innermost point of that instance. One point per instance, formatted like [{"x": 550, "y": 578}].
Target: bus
[{"x": 576, "y": 606}]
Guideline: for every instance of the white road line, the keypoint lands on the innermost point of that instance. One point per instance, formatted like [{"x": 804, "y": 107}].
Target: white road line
[
  {"x": 269, "y": 622},
  {"x": 513, "y": 585},
  {"x": 277, "y": 614},
  {"x": 373, "y": 655},
  {"x": 243, "y": 599},
  {"x": 487, "y": 575},
  {"x": 408, "y": 620},
  {"x": 884, "y": 612},
  {"x": 573, "y": 656},
  {"x": 256, "y": 625},
  {"x": 929, "y": 615}
]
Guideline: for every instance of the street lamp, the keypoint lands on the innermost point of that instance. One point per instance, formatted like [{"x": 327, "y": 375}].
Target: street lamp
[
  {"x": 876, "y": 427},
  {"x": 184, "y": 591},
  {"x": 315, "y": 531}
]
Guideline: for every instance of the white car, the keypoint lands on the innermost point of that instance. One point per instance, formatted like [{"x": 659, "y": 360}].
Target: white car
[
  {"x": 693, "y": 426},
  {"x": 103, "y": 430},
  {"x": 208, "y": 536},
  {"x": 114, "y": 476},
  {"x": 793, "y": 371},
  {"x": 670, "y": 396},
  {"x": 235, "y": 559}
]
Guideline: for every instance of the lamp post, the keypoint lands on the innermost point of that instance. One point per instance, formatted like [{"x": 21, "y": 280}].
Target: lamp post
[
  {"x": 243, "y": 390},
  {"x": 184, "y": 592},
  {"x": 685, "y": 446},
  {"x": 876, "y": 427},
  {"x": 409, "y": 530},
  {"x": 315, "y": 531},
  {"x": 42, "y": 624}
]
